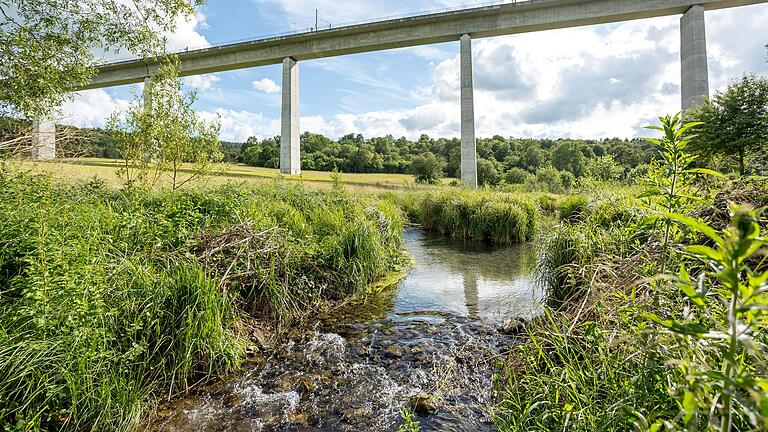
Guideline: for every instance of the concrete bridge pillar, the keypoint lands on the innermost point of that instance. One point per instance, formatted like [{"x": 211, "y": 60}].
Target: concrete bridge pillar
[
  {"x": 148, "y": 82},
  {"x": 43, "y": 138},
  {"x": 290, "y": 140},
  {"x": 468, "y": 144},
  {"x": 693, "y": 56}
]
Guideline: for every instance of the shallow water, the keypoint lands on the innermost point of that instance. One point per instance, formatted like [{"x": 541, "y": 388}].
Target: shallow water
[{"x": 436, "y": 334}]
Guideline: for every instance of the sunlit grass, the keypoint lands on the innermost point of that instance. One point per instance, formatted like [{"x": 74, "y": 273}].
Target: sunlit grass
[{"x": 74, "y": 170}]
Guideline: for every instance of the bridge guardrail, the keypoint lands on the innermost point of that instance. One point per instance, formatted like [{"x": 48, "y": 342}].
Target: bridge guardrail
[{"x": 338, "y": 27}]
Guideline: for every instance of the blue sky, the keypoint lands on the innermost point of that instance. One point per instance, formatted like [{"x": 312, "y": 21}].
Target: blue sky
[{"x": 589, "y": 82}]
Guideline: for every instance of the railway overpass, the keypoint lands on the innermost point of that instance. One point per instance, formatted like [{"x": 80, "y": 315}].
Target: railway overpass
[{"x": 461, "y": 25}]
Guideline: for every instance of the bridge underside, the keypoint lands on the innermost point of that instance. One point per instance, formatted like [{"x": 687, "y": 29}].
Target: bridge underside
[{"x": 463, "y": 25}]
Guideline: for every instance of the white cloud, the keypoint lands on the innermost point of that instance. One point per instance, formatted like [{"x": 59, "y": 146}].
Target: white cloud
[
  {"x": 91, "y": 108},
  {"x": 239, "y": 125},
  {"x": 186, "y": 35},
  {"x": 266, "y": 85},
  {"x": 202, "y": 82}
]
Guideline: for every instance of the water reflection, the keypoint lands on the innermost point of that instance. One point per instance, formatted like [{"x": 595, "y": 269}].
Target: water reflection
[
  {"x": 473, "y": 279},
  {"x": 471, "y": 296}
]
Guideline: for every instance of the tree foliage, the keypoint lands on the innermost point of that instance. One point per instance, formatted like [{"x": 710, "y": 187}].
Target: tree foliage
[
  {"x": 49, "y": 47},
  {"x": 161, "y": 135},
  {"x": 427, "y": 168},
  {"x": 735, "y": 121}
]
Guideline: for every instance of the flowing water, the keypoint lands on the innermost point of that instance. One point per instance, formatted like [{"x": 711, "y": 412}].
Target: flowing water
[{"x": 431, "y": 344}]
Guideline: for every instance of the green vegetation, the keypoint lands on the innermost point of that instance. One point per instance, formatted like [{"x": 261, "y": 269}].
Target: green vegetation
[
  {"x": 48, "y": 46},
  {"x": 427, "y": 168},
  {"x": 735, "y": 125},
  {"x": 629, "y": 345},
  {"x": 161, "y": 135},
  {"x": 112, "y": 299},
  {"x": 478, "y": 215}
]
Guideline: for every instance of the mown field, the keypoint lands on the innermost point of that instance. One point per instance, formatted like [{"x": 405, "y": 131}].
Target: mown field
[{"x": 75, "y": 170}]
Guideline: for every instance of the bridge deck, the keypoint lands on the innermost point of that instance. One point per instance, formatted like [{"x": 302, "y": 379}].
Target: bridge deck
[{"x": 488, "y": 21}]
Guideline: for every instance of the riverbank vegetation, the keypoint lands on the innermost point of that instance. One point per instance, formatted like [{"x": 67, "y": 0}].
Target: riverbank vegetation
[
  {"x": 472, "y": 215},
  {"x": 657, "y": 315},
  {"x": 113, "y": 299}
]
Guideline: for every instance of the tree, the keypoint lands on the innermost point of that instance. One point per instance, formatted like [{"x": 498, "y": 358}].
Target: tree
[
  {"x": 569, "y": 156},
  {"x": 548, "y": 179},
  {"x": 517, "y": 175},
  {"x": 47, "y": 46},
  {"x": 735, "y": 121},
  {"x": 427, "y": 168},
  {"x": 488, "y": 172},
  {"x": 162, "y": 135},
  {"x": 605, "y": 168}
]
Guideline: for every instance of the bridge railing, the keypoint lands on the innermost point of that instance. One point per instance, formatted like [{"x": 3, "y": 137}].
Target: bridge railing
[{"x": 335, "y": 27}]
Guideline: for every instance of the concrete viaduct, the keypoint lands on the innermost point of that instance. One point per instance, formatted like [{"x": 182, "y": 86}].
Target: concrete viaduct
[{"x": 458, "y": 25}]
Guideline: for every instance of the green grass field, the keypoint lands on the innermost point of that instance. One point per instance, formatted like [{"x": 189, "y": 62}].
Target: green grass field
[{"x": 75, "y": 170}]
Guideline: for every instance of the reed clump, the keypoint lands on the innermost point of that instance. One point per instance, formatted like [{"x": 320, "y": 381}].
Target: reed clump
[{"x": 473, "y": 215}]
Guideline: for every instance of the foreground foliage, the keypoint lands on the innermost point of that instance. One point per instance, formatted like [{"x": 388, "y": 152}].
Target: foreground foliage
[
  {"x": 112, "y": 299},
  {"x": 48, "y": 46},
  {"x": 628, "y": 345}
]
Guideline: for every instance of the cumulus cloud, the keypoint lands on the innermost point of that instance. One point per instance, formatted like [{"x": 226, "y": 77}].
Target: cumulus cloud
[
  {"x": 239, "y": 125},
  {"x": 202, "y": 82},
  {"x": 266, "y": 85},
  {"x": 91, "y": 108}
]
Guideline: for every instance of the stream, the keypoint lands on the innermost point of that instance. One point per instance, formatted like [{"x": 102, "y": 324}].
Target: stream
[{"x": 431, "y": 343}]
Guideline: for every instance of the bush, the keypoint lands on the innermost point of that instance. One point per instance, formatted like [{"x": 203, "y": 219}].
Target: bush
[
  {"x": 568, "y": 179},
  {"x": 516, "y": 176},
  {"x": 548, "y": 180},
  {"x": 427, "y": 168},
  {"x": 488, "y": 172},
  {"x": 605, "y": 168}
]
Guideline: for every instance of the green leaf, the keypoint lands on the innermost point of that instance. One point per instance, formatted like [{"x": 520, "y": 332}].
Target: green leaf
[
  {"x": 689, "y": 329},
  {"x": 698, "y": 226},
  {"x": 689, "y": 406},
  {"x": 692, "y": 294},
  {"x": 705, "y": 251},
  {"x": 707, "y": 172}
]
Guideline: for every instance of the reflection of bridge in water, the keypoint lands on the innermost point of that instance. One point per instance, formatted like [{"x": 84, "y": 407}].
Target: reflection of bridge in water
[
  {"x": 471, "y": 295},
  {"x": 478, "y": 279},
  {"x": 499, "y": 18}
]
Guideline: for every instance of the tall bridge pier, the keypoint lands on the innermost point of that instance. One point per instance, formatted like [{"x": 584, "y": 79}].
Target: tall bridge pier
[{"x": 694, "y": 80}]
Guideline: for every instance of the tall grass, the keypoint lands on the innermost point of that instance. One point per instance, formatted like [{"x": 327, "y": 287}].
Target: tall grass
[
  {"x": 478, "y": 215},
  {"x": 598, "y": 234},
  {"x": 111, "y": 299},
  {"x": 627, "y": 345},
  {"x": 583, "y": 376}
]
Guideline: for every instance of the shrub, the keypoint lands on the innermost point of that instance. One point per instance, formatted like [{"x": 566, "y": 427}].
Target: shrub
[
  {"x": 605, "y": 168},
  {"x": 427, "y": 168},
  {"x": 548, "y": 180},
  {"x": 488, "y": 172},
  {"x": 569, "y": 180},
  {"x": 516, "y": 175}
]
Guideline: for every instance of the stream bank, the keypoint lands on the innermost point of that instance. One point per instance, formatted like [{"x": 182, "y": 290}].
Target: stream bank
[{"x": 430, "y": 344}]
